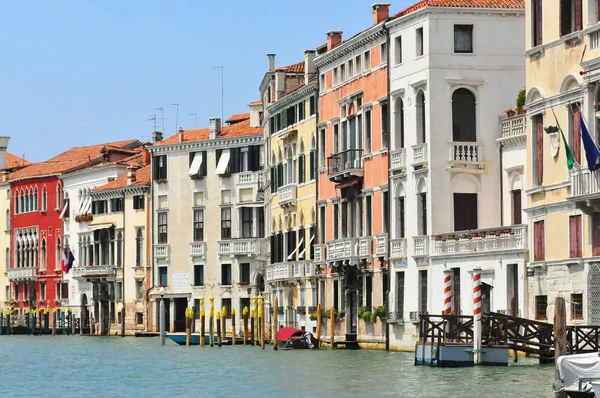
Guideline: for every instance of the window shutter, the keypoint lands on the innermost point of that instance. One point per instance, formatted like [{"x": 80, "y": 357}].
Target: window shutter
[
  {"x": 578, "y": 15},
  {"x": 540, "y": 150},
  {"x": 234, "y": 162},
  {"x": 301, "y": 173},
  {"x": 538, "y": 35},
  {"x": 272, "y": 249},
  {"x": 312, "y": 165},
  {"x": 596, "y": 234},
  {"x": 273, "y": 180},
  {"x": 280, "y": 175},
  {"x": 577, "y": 134},
  {"x": 565, "y": 17}
]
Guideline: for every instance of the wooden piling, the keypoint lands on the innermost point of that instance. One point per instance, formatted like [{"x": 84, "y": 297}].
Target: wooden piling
[
  {"x": 319, "y": 323},
  {"x": 219, "y": 329},
  {"x": 275, "y": 321},
  {"x": 332, "y": 326},
  {"x": 53, "y": 321},
  {"x": 255, "y": 317},
  {"x": 252, "y": 327},
  {"x": 560, "y": 336},
  {"x": 71, "y": 320},
  {"x": 210, "y": 326},
  {"x": 261, "y": 315},
  {"x": 202, "y": 321},
  {"x": 232, "y": 326},
  {"x": 513, "y": 310},
  {"x": 223, "y": 324},
  {"x": 245, "y": 316},
  {"x": 189, "y": 316}
]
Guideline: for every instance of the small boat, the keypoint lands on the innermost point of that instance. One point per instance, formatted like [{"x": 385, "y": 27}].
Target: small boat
[
  {"x": 291, "y": 338},
  {"x": 179, "y": 338},
  {"x": 579, "y": 375}
]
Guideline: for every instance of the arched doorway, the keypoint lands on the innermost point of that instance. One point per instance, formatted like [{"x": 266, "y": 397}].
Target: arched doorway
[
  {"x": 85, "y": 315},
  {"x": 463, "y": 116},
  {"x": 593, "y": 282}
]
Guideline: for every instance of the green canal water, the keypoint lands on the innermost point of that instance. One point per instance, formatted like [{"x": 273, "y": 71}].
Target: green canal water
[{"x": 73, "y": 366}]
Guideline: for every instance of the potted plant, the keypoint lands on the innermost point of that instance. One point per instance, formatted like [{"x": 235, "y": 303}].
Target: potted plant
[
  {"x": 450, "y": 236},
  {"x": 509, "y": 112},
  {"x": 341, "y": 314},
  {"x": 521, "y": 101},
  {"x": 366, "y": 316},
  {"x": 474, "y": 234},
  {"x": 313, "y": 316},
  {"x": 439, "y": 237},
  {"x": 506, "y": 230}
]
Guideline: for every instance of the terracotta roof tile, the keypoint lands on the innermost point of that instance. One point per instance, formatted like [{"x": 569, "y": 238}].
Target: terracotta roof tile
[
  {"x": 240, "y": 129},
  {"x": 293, "y": 68},
  {"x": 462, "y": 4},
  {"x": 142, "y": 177},
  {"x": 238, "y": 118},
  {"x": 13, "y": 161},
  {"x": 256, "y": 102}
]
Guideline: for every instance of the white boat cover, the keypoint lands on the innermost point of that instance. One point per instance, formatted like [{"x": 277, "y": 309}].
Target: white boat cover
[{"x": 572, "y": 368}]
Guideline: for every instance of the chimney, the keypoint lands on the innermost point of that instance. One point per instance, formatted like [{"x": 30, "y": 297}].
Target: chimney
[
  {"x": 145, "y": 156},
  {"x": 130, "y": 175},
  {"x": 381, "y": 12},
  {"x": 157, "y": 136},
  {"x": 334, "y": 38},
  {"x": 4, "y": 176},
  {"x": 279, "y": 83},
  {"x": 215, "y": 128},
  {"x": 181, "y": 137},
  {"x": 271, "y": 61},
  {"x": 3, "y": 145},
  {"x": 309, "y": 65}
]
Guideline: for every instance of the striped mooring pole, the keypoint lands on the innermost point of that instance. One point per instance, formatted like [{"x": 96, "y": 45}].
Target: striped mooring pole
[
  {"x": 447, "y": 292},
  {"x": 477, "y": 315}
]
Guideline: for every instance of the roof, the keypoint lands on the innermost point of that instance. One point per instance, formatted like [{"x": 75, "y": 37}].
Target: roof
[
  {"x": 293, "y": 68},
  {"x": 13, "y": 161},
  {"x": 256, "y": 102},
  {"x": 239, "y": 117},
  {"x": 71, "y": 159},
  {"x": 462, "y": 4},
  {"x": 142, "y": 177},
  {"x": 239, "y": 129}
]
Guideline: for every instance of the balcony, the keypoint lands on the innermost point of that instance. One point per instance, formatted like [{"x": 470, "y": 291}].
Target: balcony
[
  {"x": 319, "y": 254},
  {"x": 489, "y": 240},
  {"x": 364, "y": 246},
  {"x": 398, "y": 249},
  {"x": 198, "y": 249},
  {"x": 585, "y": 190},
  {"x": 421, "y": 246},
  {"x": 381, "y": 245},
  {"x": 513, "y": 129},
  {"x": 249, "y": 177},
  {"x": 286, "y": 195},
  {"x": 239, "y": 247},
  {"x": 279, "y": 272},
  {"x": 161, "y": 252},
  {"x": 342, "y": 249},
  {"x": 419, "y": 159},
  {"x": 94, "y": 271},
  {"x": 22, "y": 274},
  {"x": 465, "y": 155},
  {"x": 309, "y": 269},
  {"x": 398, "y": 160},
  {"x": 345, "y": 165}
]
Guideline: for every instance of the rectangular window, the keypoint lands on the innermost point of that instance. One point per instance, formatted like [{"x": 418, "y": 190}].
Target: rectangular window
[
  {"x": 571, "y": 16},
  {"x": 541, "y": 304},
  {"x": 383, "y": 53},
  {"x": 139, "y": 290},
  {"x": 322, "y": 152},
  {"x": 138, "y": 202},
  {"x": 400, "y": 294},
  {"x": 199, "y": 275},
  {"x": 335, "y": 221},
  {"x": 465, "y": 211},
  {"x": 369, "y": 215},
  {"x": 335, "y": 76},
  {"x": 42, "y": 291},
  {"x": 116, "y": 205},
  {"x": 539, "y": 252},
  {"x": 160, "y": 167},
  {"x": 226, "y": 274},
  {"x": 401, "y": 217},
  {"x": 162, "y": 228},
  {"x": 516, "y": 206},
  {"x": 350, "y": 69},
  {"x": 419, "y": 42},
  {"x": 245, "y": 273},
  {"x": 423, "y": 291},
  {"x": 463, "y": 38},
  {"x": 244, "y": 164},
  {"x": 369, "y": 291},
  {"x": 577, "y": 306},
  {"x": 99, "y": 207},
  {"x": 64, "y": 291},
  {"x": 537, "y": 23},
  {"x": 398, "y": 49},
  {"x": 384, "y": 125},
  {"x": 575, "y": 238},
  {"x": 247, "y": 222},
  {"x": 342, "y": 73},
  {"x": 312, "y": 105},
  {"x": 198, "y": 225},
  {"x": 118, "y": 290},
  {"x": 386, "y": 204},
  {"x": 139, "y": 318},
  {"x": 322, "y": 83},
  {"x": 357, "y": 62},
  {"x": 322, "y": 224},
  {"x": 226, "y": 302},
  {"x": 595, "y": 234},
  {"x": 368, "y": 131},
  {"x": 163, "y": 276},
  {"x": 226, "y": 223},
  {"x": 367, "y": 60}
]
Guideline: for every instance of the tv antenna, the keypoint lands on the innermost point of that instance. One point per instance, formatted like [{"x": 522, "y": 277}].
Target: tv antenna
[
  {"x": 153, "y": 118},
  {"x": 222, "y": 90},
  {"x": 162, "y": 118},
  {"x": 195, "y": 118}
]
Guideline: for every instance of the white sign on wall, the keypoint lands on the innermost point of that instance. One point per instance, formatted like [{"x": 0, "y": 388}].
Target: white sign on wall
[{"x": 181, "y": 282}]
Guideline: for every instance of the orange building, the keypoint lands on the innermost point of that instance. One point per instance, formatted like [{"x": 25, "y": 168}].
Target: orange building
[{"x": 353, "y": 175}]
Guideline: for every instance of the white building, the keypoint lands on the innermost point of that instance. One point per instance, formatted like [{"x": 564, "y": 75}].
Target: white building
[
  {"x": 208, "y": 217},
  {"x": 456, "y": 192}
]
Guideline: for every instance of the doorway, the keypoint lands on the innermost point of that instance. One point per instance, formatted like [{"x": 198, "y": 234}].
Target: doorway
[
  {"x": 486, "y": 297},
  {"x": 512, "y": 285},
  {"x": 180, "y": 307}
]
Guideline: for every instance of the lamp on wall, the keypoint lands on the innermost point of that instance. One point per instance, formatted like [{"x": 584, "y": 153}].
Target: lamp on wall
[{"x": 530, "y": 272}]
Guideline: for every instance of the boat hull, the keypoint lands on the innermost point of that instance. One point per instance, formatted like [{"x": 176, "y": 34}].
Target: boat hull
[{"x": 179, "y": 338}]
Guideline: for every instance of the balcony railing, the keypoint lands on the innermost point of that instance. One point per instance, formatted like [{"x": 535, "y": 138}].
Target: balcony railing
[
  {"x": 584, "y": 182},
  {"x": 309, "y": 269},
  {"x": 397, "y": 248},
  {"x": 249, "y": 177},
  {"x": 286, "y": 194},
  {"x": 346, "y": 164},
  {"x": 239, "y": 247},
  {"x": 398, "y": 159},
  {"x": 342, "y": 249},
  {"x": 421, "y": 246},
  {"x": 319, "y": 253},
  {"x": 465, "y": 154},
  {"x": 364, "y": 246},
  {"x": 198, "y": 249},
  {"x": 24, "y": 273},
  {"x": 513, "y": 127},
  {"x": 419, "y": 155},
  {"x": 381, "y": 245},
  {"x": 480, "y": 241},
  {"x": 91, "y": 271},
  {"x": 279, "y": 271},
  {"x": 594, "y": 38},
  {"x": 161, "y": 252}
]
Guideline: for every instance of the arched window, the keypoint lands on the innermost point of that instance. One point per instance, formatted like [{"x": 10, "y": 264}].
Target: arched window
[
  {"x": 399, "y": 124},
  {"x": 22, "y": 196},
  {"x": 58, "y": 197},
  {"x": 43, "y": 255},
  {"x": 8, "y": 220},
  {"x": 17, "y": 207},
  {"x": 31, "y": 200},
  {"x": 17, "y": 255},
  {"x": 313, "y": 159},
  {"x": 463, "y": 116},
  {"x": 301, "y": 164},
  {"x": 44, "y": 199},
  {"x": 139, "y": 248},
  {"x": 25, "y": 202},
  {"x": 58, "y": 263},
  {"x": 35, "y": 200},
  {"x": 119, "y": 249},
  {"x": 421, "y": 120},
  {"x": 7, "y": 259}
]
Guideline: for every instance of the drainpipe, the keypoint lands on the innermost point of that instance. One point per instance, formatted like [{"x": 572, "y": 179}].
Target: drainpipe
[
  {"x": 150, "y": 225},
  {"x": 501, "y": 188},
  {"x": 389, "y": 210}
]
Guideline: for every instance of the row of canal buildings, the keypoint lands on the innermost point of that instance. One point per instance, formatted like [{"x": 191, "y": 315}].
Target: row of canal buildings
[{"x": 366, "y": 174}]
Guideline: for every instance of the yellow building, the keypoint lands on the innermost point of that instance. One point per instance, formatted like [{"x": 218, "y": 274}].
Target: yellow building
[
  {"x": 289, "y": 100},
  {"x": 563, "y": 79}
]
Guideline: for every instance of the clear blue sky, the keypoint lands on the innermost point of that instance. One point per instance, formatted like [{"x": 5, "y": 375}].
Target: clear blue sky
[{"x": 77, "y": 73}]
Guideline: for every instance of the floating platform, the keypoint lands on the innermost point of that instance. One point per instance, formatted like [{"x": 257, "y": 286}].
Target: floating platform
[{"x": 458, "y": 355}]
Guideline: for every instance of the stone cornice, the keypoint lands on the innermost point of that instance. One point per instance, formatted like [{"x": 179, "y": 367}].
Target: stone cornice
[
  {"x": 355, "y": 44},
  {"x": 120, "y": 192},
  {"x": 542, "y": 210},
  {"x": 566, "y": 98},
  {"x": 512, "y": 141},
  {"x": 221, "y": 143},
  {"x": 292, "y": 98}
]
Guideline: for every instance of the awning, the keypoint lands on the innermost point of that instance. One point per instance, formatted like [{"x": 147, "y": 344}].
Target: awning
[
  {"x": 301, "y": 255},
  {"x": 196, "y": 164},
  {"x": 65, "y": 209},
  {"x": 99, "y": 226},
  {"x": 296, "y": 249},
  {"x": 223, "y": 162},
  {"x": 86, "y": 205}
]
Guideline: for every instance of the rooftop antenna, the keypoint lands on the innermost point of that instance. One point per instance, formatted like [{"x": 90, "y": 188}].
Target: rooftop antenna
[
  {"x": 162, "y": 117},
  {"x": 195, "y": 119},
  {"x": 222, "y": 89},
  {"x": 177, "y": 118},
  {"x": 153, "y": 118}
]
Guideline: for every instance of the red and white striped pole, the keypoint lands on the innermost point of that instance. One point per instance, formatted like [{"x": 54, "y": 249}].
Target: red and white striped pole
[
  {"x": 447, "y": 292},
  {"x": 477, "y": 315}
]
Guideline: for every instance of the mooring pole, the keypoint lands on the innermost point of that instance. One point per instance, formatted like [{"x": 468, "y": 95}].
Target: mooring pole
[
  {"x": 477, "y": 315},
  {"x": 261, "y": 321},
  {"x": 513, "y": 310},
  {"x": 232, "y": 325},
  {"x": 223, "y": 324},
  {"x": 245, "y": 315},
  {"x": 162, "y": 316},
  {"x": 319, "y": 323},
  {"x": 211, "y": 314},
  {"x": 275, "y": 321},
  {"x": 560, "y": 337},
  {"x": 202, "y": 317},
  {"x": 219, "y": 328},
  {"x": 332, "y": 326}
]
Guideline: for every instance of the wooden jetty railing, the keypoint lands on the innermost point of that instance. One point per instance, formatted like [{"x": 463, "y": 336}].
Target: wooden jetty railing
[{"x": 582, "y": 339}]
